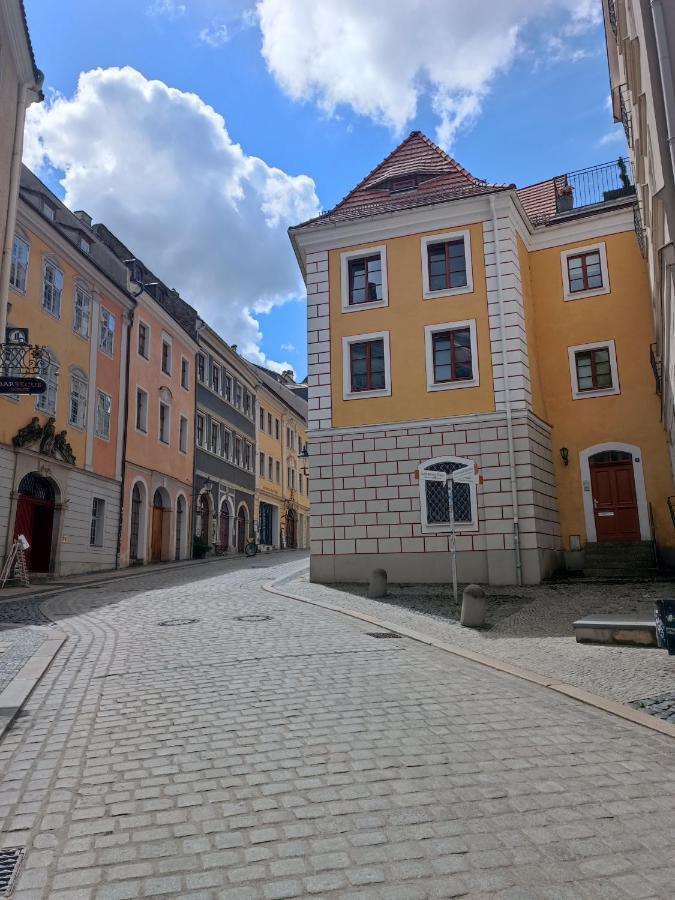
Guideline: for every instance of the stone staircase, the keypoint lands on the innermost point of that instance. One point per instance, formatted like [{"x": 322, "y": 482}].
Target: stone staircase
[{"x": 620, "y": 561}]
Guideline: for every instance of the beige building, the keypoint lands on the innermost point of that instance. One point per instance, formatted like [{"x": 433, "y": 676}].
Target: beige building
[
  {"x": 20, "y": 85},
  {"x": 641, "y": 53},
  {"x": 282, "y": 490}
]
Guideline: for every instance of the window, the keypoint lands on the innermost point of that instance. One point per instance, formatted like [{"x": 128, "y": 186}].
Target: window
[
  {"x": 291, "y": 478},
  {"x": 584, "y": 272},
  {"x": 593, "y": 370},
  {"x": 363, "y": 276},
  {"x": 278, "y": 471},
  {"x": 185, "y": 373},
  {"x": 300, "y": 490},
  {"x": 237, "y": 394},
  {"x": 261, "y": 418},
  {"x": 215, "y": 431},
  {"x": 77, "y": 414},
  {"x": 228, "y": 388},
  {"x": 52, "y": 288},
  {"x": 451, "y": 355},
  {"x": 18, "y": 270},
  {"x": 107, "y": 331},
  {"x": 47, "y": 402},
  {"x": 183, "y": 435},
  {"x": 164, "y": 422},
  {"x": 269, "y": 423},
  {"x": 81, "y": 311},
  {"x": 97, "y": 518},
  {"x": 143, "y": 340},
  {"x": 399, "y": 185},
  {"x": 200, "y": 430},
  {"x": 270, "y": 468},
  {"x": 225, "y": 443},
  {"x": 261, "y": 465},
  {"x": 200, "y": 367},
  {"x": 247, "y": 456},
  {"x": 435, "y": 496},
  {"x": 141, "y": 410},
  {"x": 237, "y": 451},
  {"x": 166, "y": 356},
  {"x": 85, "y": 246},
  {"x": 276, "y": 428},
  {"x": 48, "y": 210},
  {"x": 247, "y": 404},
  {"x": 366, "y": 365},
  {"x": 446, "y": 264},
  {"x": 215, "y": 377},
  {"x": 103, "y": 412}
]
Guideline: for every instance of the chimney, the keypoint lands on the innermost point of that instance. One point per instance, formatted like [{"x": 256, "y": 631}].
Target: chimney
[{"x": 83, "y": 217}]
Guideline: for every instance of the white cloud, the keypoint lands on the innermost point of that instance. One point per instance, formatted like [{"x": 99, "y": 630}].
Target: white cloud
[
  {"x": 615, "y": 135},
  {"x": 171, "y": 9},
  {"x": 382, "y": 57},
  {"x": 214, "y": 35},
  {"x": 158, "y": 166},
  {"x": 289, "y": 348}
]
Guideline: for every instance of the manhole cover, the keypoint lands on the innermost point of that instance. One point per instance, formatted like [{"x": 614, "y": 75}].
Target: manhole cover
[
  {"x": 169, "y": 623},
  {"x": 10, "y": 862},
  {"x": 382, "y": 634},
  {"x": 252, "y": 618}
]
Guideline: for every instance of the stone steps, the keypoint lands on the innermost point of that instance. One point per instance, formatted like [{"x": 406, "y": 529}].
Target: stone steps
[{"x": 633, "y": 561}]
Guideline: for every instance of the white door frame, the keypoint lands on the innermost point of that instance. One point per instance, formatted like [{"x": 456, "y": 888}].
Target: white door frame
[{"x": 638, "y": 478}]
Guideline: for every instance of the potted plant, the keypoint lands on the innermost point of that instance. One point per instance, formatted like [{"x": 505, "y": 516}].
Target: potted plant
[
  {"x": 564, "y": 200},
  {"x": 626, "y": 189},
  {"x": 200, "y": 547}
]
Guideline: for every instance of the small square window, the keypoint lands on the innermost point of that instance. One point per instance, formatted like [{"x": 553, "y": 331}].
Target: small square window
[
  {"x": 451, "y": 355},
  {"x": 593, "y": 370},
  {"x": 366, "y": 365},
  {"x": 446, "y": 264},
  {"x": 584, "y": 271},
  {"x": 363, "y": 278},
  {"x": 85, "y": 246},
  {"x": 48, "y": 211}
]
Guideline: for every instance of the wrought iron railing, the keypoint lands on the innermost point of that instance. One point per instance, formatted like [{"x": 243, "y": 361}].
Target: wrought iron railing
[
  {"x": 602, "y": 183},
  {"x": 640, "y": 229},
  {"x": 655, "y": 362},
  {"x": 22, "y": 367},
  {"x": 626, "y": 118},
  {"x": 611, "y": 9}
]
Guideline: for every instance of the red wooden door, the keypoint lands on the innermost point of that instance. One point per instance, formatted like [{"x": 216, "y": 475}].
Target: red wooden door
[
  {"x": 615, "y": 502},
  {"x": 35, "y": 521},
  {"x": 156, "y": 542}
]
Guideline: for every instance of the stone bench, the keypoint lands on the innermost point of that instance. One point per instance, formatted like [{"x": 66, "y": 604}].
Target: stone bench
[{"x": 626, "y": 630}]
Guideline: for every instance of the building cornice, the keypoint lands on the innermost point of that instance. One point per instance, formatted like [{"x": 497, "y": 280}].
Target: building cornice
[{"x": 15, "y": 28}]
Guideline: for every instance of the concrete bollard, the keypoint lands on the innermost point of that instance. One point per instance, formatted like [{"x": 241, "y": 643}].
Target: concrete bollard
[
  {"x": 474, "y": 607},
  {"x": 378, "y": 584}
]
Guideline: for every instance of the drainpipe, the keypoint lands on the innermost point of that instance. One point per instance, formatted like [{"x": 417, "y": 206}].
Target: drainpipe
[
  {"x": 507, "y": 397},
  {"x": 13, "y": 199},
  {"x": 127, "y": 363}
]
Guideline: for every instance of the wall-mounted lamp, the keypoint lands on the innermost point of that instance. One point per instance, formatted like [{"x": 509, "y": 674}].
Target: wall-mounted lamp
[
  {"x": 304, "y": 456},
  {"x": 565, "y": 454}
]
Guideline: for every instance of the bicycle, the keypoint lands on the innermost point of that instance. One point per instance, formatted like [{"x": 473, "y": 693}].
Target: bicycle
[{"x": 251, "y": 548}]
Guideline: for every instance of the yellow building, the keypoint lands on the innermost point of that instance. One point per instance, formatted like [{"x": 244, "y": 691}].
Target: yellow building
[
  {"x": 282, "y": 492},
  {"x": 457, "y": 326}
]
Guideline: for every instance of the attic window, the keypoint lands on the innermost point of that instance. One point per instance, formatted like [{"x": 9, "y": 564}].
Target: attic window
[
  {"x": 48, "y": 211},
  {"x": 85, "y": 246},
  {"x": 398, "y": 185}
]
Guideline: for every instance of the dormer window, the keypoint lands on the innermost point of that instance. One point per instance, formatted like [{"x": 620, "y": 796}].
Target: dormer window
[
  {"x": 48, "y": 211},
  {"x": 399, "y": 185},
  {"x": 85, "y": 246}
]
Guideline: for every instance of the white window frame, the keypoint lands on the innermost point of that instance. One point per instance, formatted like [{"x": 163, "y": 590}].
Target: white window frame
[
  {"x": 444, "y": 527},
  {"x": 166, "y": 341},
  {"x": 216, "y": 368},
  {"x": 185, "y": 367},
  {"x": 602, "y": 392},
  {"x": 465, "y": 234},
  {"x": 85, "y": 245},
  {"x": 347, "y": 393},
  {"x": 213, "y": 446},
  {"x": 107, "y": 330},
  {"x": 344, "y": 278},
  {"x": 14, "y": 266},
  {"x": 140, "y": 390},
  {"x": 167, "y": 406},
  {"x": 56, "y": 292},
  {"x": 79, "y": 383},
  {"x": 183, "y": 435},
  {"x": 429, "y": 331},
  {"x": 97, "y": 522},
  {"x": 103, "y": 415},
  {"x": 81, "y": 290},
  {"x": 145, "y": 355},
  {"x": 48, "y": 210},
  {"x": 51, "y": 376},
  {"x": 600, "y": 248}
]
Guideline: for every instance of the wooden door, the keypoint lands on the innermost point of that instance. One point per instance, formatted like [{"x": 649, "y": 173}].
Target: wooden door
[
  {"x": 35, "y": 521},
  {"x": 156, "y": 543},
  {"x": 241, "y": 531},
  {"x": 615, "y": 502}
]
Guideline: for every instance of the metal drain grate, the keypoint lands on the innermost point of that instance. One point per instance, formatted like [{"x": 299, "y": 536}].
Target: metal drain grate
[
  {"x": 382, "y": 634},
  {"x": 252, "y": 618},
  {"x": 10, "y": 862},
  {"x": 170, "y": 623}
]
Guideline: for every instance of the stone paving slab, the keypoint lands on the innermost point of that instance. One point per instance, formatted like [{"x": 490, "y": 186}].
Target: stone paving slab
[{"x": 295, "y": 756}]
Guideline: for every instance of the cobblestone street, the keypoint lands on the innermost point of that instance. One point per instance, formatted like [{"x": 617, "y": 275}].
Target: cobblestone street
[{"x": 199, "y": 737}]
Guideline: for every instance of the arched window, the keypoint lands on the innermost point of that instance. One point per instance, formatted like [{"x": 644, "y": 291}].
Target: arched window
[
  {"x": 46, "y": 402},
  {"x": 77, "y": 409},
  {"x": 435, "y": 492}
]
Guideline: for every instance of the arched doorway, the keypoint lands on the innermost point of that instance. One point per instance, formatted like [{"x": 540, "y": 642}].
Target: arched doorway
[
  {"x": 135, "y": 524},
  {"x": 35, "y": 520},
  {"x": 291, "y": 530},
  {"x": 614, "y": 499},
  {"x": 204, "y": 518},
  {"x": 180, "y": 519},
  {"x": 159, "y": 507},
  {"x": 224, "y": 535},
  {"x": 242, "y": 529}
]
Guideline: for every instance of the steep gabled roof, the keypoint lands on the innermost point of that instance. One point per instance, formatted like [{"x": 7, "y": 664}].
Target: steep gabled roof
[{"x": 437, "y": 178}]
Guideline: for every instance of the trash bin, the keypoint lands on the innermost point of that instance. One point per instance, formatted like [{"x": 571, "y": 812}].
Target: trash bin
[{"x": 664, "y": 614}]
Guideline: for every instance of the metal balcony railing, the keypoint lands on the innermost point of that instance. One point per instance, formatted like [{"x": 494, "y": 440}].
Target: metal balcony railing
[
  {"x": 611, "y": 9},
  {"x": 626, "y": 118},
  {"x": 576, "y": 191},
  {"x": 655, "y": 362},
  {"x": 640, "y": 229}
]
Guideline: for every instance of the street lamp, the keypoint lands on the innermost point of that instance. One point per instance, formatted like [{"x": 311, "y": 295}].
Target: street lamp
[{"x": 304, "y": 456}]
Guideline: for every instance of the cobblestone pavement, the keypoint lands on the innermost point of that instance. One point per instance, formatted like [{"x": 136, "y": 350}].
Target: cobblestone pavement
[
  {"x": 274, "y": 750},
  {"x": 530, "y": 627}
]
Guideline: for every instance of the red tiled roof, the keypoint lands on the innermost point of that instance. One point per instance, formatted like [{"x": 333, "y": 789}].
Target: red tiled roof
[
  {"x": 539, "y": 200},
  {"x": 440, "y": 178}
]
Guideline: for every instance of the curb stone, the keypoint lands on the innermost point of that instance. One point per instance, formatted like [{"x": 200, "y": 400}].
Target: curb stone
[
  {"x": 610, "y": 706},
  {"x": 24, "y": 682}
]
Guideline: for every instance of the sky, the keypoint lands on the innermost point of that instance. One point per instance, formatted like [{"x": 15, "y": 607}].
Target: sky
[{"x": 199, "y": 130}]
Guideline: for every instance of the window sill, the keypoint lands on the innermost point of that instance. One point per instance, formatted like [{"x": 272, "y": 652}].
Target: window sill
[
  {"x": 359, "y": 307},
  {"x": 584, "y": 295},
  {"x": 53, "y": 315},
  {"x": 589, "y": 395},
  {"x": 107, "y": 353},
  {"x": 82, "y": 337},
  {"x": 449, "y": 292},
  {"x": 102, "y": 437},
  {"x": 453, "y": 385},
  {"x": 364, "y": 395},
  {"x": 440, "y": 528},
  {"x": 17, "y": 290}
]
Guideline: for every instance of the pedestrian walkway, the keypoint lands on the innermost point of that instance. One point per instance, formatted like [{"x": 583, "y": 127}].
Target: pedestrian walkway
[{"x": 213, "y": 740}]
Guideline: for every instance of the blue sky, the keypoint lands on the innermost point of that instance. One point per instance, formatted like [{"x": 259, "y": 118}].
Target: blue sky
[{"x": 515, "y": 100}]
